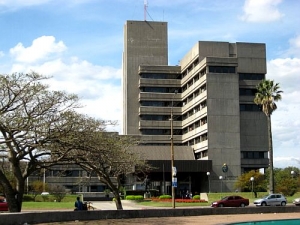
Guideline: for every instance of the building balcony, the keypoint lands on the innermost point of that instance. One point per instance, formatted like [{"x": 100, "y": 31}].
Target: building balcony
[
  {"x": 255, "y": 163},
  {"x": 159, "y": 82},
  {"x": 189, "y": 105},
  {"x": 161, "y": 139},
  {"x": 159, "y": 124},
  {"x": 194, "y": 133},
  {"x": 144, "y": 110},
  {"x": 159, "y": 96}
]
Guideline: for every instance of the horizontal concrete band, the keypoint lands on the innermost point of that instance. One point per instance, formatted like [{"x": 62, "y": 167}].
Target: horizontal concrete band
[{"x": 64, "y": 216}]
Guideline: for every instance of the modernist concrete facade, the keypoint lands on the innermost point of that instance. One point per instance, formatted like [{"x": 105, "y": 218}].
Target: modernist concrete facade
[{"x": 213, "y": 111}]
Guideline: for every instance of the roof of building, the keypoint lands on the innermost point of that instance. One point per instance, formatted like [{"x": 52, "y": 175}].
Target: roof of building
[{"x": 150, "y": 152}]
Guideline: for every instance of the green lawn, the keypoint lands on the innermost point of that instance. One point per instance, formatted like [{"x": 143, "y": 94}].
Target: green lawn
[
  {"x": 68, "y": 201},
  {"x": 47, "y": 205}
]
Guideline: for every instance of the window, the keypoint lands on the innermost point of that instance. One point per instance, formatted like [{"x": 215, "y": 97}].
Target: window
[
  {"x": 160, "y": 76},
  {"x": 221, "y": 69},
  {"x": 247, "y": 92},
  {"x": 251, "y": 76},
  {"x": 250, "y": 107},
  {"x": 254, "y": 155}
]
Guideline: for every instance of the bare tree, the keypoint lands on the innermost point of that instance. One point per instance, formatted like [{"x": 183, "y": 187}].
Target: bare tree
[
  {"x": 106, "y": 154},
  {"x": 31, "y": 117}
]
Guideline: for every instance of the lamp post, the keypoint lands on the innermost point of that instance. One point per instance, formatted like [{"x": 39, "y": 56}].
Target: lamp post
[
  {"x": 173, "y": 169},
  {"x": 221, "y": 179},
  {"x": 208, "y": 174},
  {"x": 252, "y": 180}
]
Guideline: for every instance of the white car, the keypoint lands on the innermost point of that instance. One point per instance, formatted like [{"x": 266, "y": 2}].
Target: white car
[
  {"x": 271, "y": 200},
  {"x": 45, "y": 193},
  {"x": 296, "y": 201}
]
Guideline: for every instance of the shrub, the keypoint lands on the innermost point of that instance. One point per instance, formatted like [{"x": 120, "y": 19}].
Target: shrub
[
  {"x": 165, "y": 197},
  {"x": 134, "y": 197},
  {"x": 196, "y": 197}
]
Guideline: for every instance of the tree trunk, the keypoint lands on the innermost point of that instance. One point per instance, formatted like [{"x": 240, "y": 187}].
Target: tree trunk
[
  {"x": 118, "y": 200},
  {"x": 14, "y": 199},
  {"x": 271, "y": 182}
]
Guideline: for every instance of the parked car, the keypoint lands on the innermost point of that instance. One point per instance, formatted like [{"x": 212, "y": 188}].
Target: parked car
[
  {"x": 3, "y": 204},
  {"x": 231, "y": 201},
  {"x": 296, "y": 201},
  {"x": 271, "y": 200},
  {"x": 45, "y": 193}
]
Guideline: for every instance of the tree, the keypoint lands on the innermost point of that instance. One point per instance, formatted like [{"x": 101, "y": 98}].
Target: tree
[
  {"x": 31, "y": 117},
  {"x": 285, "y": 182},
  {"x": 37, "y": 187},
  {"x": 105, "y": 154},
  {"x": 58, "y": 191},
  {"x": 245, "y": 184},
  {"x": 267, "y": 94}
]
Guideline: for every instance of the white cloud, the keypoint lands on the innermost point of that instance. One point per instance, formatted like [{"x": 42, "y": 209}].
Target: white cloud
[
  {"x": 20, "y": 3},
  {"x": 261, "y": 11},
  {"x": 98, "y": 87},
  {"x": 40, "y": 49},
  {"x": 283, "y": 162},
  {"x": 286, "y": 120}
]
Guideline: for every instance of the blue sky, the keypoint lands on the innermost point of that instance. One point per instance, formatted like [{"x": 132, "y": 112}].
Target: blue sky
[{"x": 80, "y": 43}]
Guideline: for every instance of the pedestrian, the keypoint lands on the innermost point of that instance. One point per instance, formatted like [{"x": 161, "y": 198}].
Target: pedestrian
[{"x": 78, "y": 204}]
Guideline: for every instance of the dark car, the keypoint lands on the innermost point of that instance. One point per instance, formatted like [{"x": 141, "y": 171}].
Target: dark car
[
  {"x": 231, "y": 201},
  {"x": 3, "y": 204}
]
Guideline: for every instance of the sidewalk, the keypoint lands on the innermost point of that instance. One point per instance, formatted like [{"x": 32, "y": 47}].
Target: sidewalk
[{"x": 111, "y": 205}]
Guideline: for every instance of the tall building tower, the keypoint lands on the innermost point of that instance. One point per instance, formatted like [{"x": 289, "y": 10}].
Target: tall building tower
[
  {"x": 210, "y": 97},
  {"x": 145, "y": 43}
]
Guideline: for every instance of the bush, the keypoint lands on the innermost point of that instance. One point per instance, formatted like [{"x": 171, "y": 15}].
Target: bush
[
  {"x": 135, "y": 197},
  {"x": 165, "y": 197},
  {"x": 196, "y": 197}
]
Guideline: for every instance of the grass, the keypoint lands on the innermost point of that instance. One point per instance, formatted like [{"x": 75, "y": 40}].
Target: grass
[
  {"x": 68, "y": 201},
  {"x": 214, "y": 197},
  {"x": 47, "y": 205}
]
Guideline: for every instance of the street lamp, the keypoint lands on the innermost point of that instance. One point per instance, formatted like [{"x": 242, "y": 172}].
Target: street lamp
[
  {"x": 252, "y": 180},
  {"x": 173, "y": 169},
  {"x": 208, "y": 174},
  {"x": 221, "y": 179},
  {"x": 293, "y": 173}
]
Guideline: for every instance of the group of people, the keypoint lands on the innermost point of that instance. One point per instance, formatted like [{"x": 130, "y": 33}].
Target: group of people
[{"x": 186, "y": 194}]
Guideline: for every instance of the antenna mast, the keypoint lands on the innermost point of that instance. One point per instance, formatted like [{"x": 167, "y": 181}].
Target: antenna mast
[{"x": 145, "y": 9}]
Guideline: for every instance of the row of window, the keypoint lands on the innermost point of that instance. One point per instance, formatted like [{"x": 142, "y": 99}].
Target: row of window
[
  {"x": 190, "y": 68},
  {"x": 160, "y": 131},
  {"x": 160, "y": 117},
  {"x": 195, "y": 125},
  {"x": 201, "y": 154},
  {"x": 160, "y": 89},
  {"x": 221, "y": 69},
  {"x": 251, "y": 76},
  {"x": 160, "y": 76},
  {"x": 161, "y": 103},
  {"x": 254, "y": 155},
  {"x": 194, "y": 110},
  {"x": 194, "y": 80},
  {"x": 250, "y": 107},
  {"x": 196, "y": 140},
  {"x": 194, "y": 94},
  {"x": 247, "y": 91}
]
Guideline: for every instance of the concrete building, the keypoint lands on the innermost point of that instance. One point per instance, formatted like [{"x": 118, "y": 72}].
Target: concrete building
[{"x": 214, "y": 116}]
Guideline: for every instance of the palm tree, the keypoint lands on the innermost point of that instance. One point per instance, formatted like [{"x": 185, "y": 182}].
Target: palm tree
[{"x": 267, "y": 94}]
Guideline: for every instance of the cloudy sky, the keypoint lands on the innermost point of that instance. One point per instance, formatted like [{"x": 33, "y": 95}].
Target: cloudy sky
[{"x": 80, "y": 42}]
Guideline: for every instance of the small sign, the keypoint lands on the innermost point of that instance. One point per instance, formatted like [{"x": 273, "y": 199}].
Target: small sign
[{"x": 174, "y": 182}]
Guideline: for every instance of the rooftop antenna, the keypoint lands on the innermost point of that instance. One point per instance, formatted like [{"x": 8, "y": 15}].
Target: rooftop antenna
[{"x": 145, "y": 9}]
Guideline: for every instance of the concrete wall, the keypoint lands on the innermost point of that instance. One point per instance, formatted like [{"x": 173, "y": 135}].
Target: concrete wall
[
  {"x": 145, "y": 43},
  {"x": 63, "y": 216}
]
